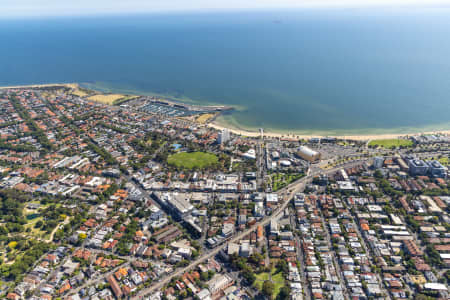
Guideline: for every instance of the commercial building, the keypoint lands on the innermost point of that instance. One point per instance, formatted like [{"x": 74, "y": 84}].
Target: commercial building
[
  {"x": 272, "y": 198},
  {"x": 437, "y": 169},
  {"x": 245, "y": 250},
  {"x": 177, "y": 203},
  {"x": 433, "y": 168},
  {"x": 417, "y": 167},
  {"x": 250, "y": 154},
  {"x": 219, "y": 283},
  {"x": 308, "y": 154}
]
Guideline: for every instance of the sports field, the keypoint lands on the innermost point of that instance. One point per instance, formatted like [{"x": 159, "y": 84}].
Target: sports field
[
  {"x": 391, "y": 143},
  {"x": 190, "y": 160}
]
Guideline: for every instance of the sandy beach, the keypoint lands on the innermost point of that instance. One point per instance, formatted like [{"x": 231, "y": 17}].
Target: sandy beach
[
  {"x": 343, "y": 137},
  {"x": 269, "y": 134},
  {"x": 69, "y": 85}
]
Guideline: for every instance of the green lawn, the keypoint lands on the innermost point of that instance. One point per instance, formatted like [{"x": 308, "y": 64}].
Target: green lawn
[
  {"x": 391, "y": 143},
  {"x": 277, "y": 280},
  {"x": 260, "y": 278},
  {"x": 280, "y": 180},
  {"x": 444, "y": 161},
  {"x": 192, "y": 160}
]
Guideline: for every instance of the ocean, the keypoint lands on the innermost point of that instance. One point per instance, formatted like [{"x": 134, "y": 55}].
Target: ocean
[{"x": 341, "y": 71}]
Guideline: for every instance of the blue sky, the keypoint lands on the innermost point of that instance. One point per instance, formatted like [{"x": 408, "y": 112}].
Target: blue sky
[{"x": 35, "y": 8}]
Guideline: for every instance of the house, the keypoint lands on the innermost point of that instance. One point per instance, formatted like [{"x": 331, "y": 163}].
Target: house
[{"x": 115, "y": 286}]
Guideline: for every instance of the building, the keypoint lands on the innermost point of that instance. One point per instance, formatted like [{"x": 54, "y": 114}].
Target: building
[
  {"x": 308, "y": 154},
  {"x": 259, "y": 233},
  {"x": 204, "y": 295},
  {"x": 250, "y": 154},
  {"x": 378, "y": 162},
  {"x": 274, "y": 227},
  {"x": 437, "y": 169},
  {"x": 115, "y": 286},
  {"x": 223, "y": 137},
  {"x": 227, "y": 229},
  {"x": 299, "y": 200},
  {"x": 402, "y": 164},
  {"x": 245, "y": 250},
  {"x": 219, "y": 283},
  {"x": 272, "y": 198},
  {"x": 434, "y": 168},
  {"x": 177, "y": 203},
  {"x": 258, "y": 210},
  {"x": 417, "y": 167}
]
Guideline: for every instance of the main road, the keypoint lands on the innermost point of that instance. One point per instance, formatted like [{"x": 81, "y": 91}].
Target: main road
[{"x": 290, "y": 190}]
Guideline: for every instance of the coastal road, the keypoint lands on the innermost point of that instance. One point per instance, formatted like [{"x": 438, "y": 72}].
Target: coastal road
[{"x": 289, "y": 190}]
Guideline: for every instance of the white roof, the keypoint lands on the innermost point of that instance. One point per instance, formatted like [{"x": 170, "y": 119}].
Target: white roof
[
  {"x": 445, "y": 255},
  {"x": 285, "y": 162},
  {"x": 272, "y": 197},
  {"x": 435, "y": 286},
  {"x": 307, "y": 151}
]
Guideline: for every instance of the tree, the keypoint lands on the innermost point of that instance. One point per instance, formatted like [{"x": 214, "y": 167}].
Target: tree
[
  {"x": 249, "y": 276},
  {"x": 268, "y": 289},
  {"x": 3, "y": 230},
  {"x": 378, "y": 174},
  {"x": 59, "y": 234},
  {"x": 282, "y": 266},
  {"x": 204, "y": 276},
  {"x": 421, "y": 297},
  {"x": 38, "y": 224},
  {"x": 285, "y": 292}
]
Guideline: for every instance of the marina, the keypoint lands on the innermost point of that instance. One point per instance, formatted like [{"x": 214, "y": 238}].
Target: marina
[
  {"x": 168, "y": 110},
  {"x": 171, "y": 108}
]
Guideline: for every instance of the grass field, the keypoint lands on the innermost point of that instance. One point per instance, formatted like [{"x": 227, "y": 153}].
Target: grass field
[
  {"x": 391, "y": 143},
  {"x": 278, "y": 282},
  {"x": 109, "y": 99},
  {"x": 192, "y": 160},
  {"x": 260, "y": 278}
]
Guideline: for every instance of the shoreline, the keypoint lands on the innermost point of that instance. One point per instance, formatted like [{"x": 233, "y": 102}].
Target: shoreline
[
  {"x": 356, "y": 137},
  {"x": 271, "y": 134},
  {"x": 44, "y": 85}
]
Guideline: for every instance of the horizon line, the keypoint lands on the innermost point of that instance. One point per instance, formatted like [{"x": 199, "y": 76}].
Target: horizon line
[{"x": 303, "y": 7}]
